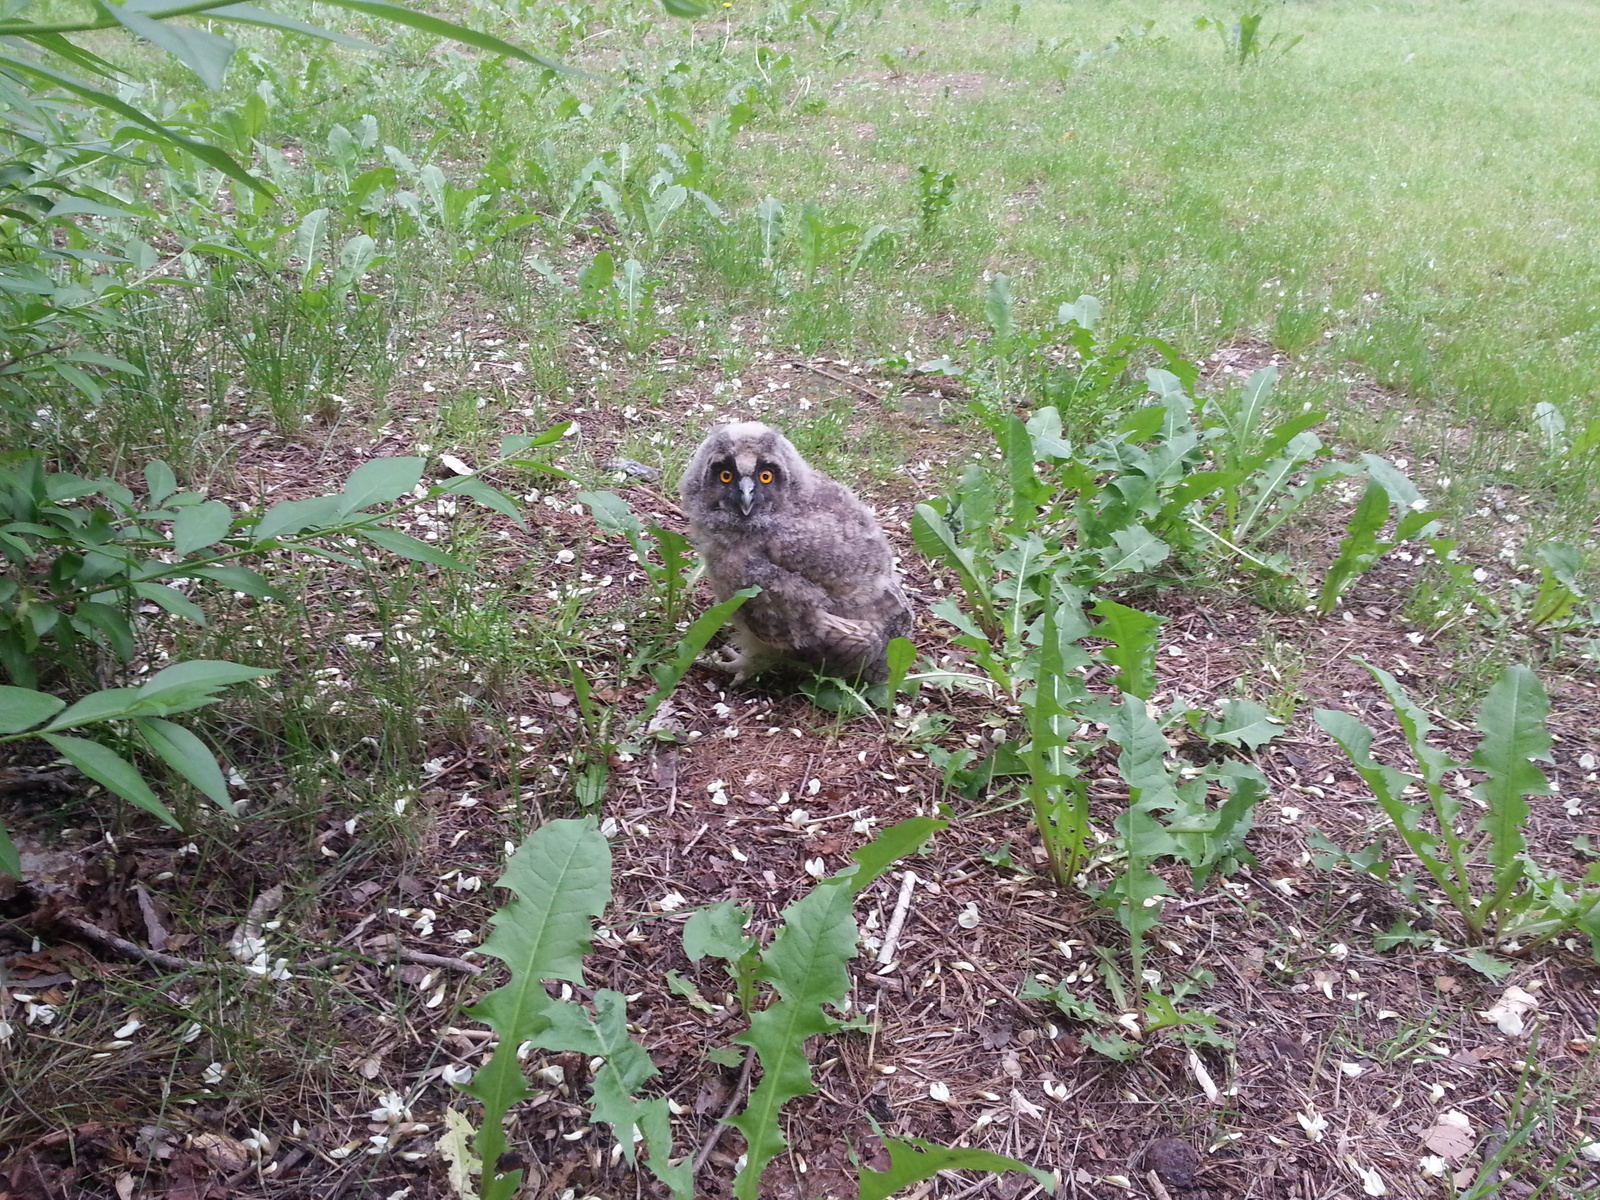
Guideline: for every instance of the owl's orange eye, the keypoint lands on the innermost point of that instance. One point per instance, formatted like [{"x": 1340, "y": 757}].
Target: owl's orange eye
[
  {"x": 766, "y": 477},
  {"x": 726, "y": 477}
]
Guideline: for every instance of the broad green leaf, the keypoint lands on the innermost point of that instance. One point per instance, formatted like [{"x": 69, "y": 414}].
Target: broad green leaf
[
  {"x": 249, "y": 14},
  {"x": 694, "y": 640},
  {"x": 611, "y": 512},
  {"x": 1414, "y": 723},
  {"x": 289, "y": 517},
  {"x": 1044, "y": 426},
  {"x": 1274, "y": 475},
  {"x": 1359, "y": 549},
  {"x": 560, "y": 878},
  {"x": 661, "y": 207},
  {"x": 1253, "y": 401},
  {"x": 1028, "y": 492},
  {"x": 449, "y": 30},
  {"x": 1113, "y": 1047},
  {"x": 188, "y": 755},
  {"x": 23, "y": 708},
  {"x": 630, "y": 287},
  {"x": 1393, "y": 481},
  {"x": 1559, "y": 590},
  {"x": 206, "y": 54},
  {"x": 379, "y": 482},
  {"x": 937, "y": 543},
  {"x": 769, "y": 219},
  {"x": 652, "y": 1121},
  {"x": 239, "y": 579},
  {"x": 160, "y": 480},
  {"x": 200, "y": 525},
  {"x": 1135, "y": 549},
  {"x": 209, "y": 673},
  {"x": 174, "y": 601},
  {"x": 997, "y": 307},
  {"x": 111, "y": 622},
  {"x": 627, "y": 1066},
  {"x": 1388, "y": 787},
  {"x": 107, "y": 705},
  {"x": 1085, "y": 313},
  {"x": 356, "y": 257},
  {"x": 900, "y": 654},
  {"x": 684, "y": 8},
  {"x": 10, "y": 860},
  {"x": 1512, "y": 721},
  {"x": 407, "y": 546},
  {"x": 916, "y": 1160},
  {"x": 523, "y": 441},
  {"x": 894, "y": 843},
  {"x": 310, "y": 239},
  {"x": 718, "y": 931},
  {"x": 474, "y": 488},
  {"x": 105, "y": 766}
]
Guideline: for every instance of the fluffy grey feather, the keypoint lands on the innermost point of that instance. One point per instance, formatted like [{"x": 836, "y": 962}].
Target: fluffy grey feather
[{"x": 760, "y": 514}]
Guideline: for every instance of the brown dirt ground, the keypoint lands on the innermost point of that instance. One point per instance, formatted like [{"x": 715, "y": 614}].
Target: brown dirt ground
[{"x": 1340, "y": 1059}]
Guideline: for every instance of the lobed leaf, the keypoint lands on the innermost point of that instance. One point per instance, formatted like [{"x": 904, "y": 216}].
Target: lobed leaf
[
  {"x": 916, "y": 1160},
  {"x": 1133, "y": 645},
  {"x": 560, "y": 879},
  {"x": 806, "y": 966}
]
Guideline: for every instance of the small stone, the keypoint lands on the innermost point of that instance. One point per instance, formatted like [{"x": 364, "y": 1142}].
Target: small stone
[{"x": 1173, "y": 1160}]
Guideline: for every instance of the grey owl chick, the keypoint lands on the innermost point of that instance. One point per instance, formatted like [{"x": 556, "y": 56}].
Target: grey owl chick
[{"x": 760, "y": 514}]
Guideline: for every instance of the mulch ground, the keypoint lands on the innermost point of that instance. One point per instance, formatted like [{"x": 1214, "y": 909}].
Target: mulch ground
[{"x": 1336, "y": 1065}]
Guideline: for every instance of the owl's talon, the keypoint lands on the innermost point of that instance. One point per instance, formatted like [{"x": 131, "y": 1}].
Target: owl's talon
[{"x": 729, "y": 660}]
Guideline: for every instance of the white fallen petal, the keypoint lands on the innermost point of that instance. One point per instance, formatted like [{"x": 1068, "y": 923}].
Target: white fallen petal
[
  {"x": 1314, "y": 1123},
  {"x": 1507, "y": 1013}
]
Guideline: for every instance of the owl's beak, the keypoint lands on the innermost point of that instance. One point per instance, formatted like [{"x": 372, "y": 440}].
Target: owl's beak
[{"x": 747, "y": 495}]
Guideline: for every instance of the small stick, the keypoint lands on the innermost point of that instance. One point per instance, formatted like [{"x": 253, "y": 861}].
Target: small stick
[
  {"x": 133, "y": 950},
  {"x": 891, "y": 942},
  {"x": 698, "y": 834},
  {"x": 174, "y": 963},
  {"x": 891, "y": 936},
  {"x": 844, "y": 379},
  {"x": 722, "y": 1121}
]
